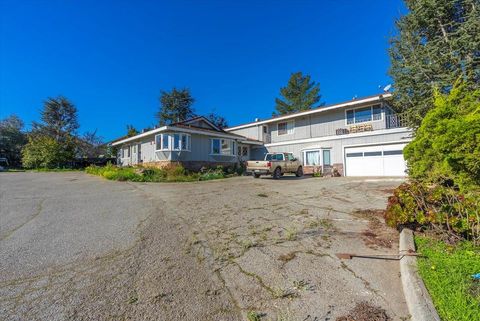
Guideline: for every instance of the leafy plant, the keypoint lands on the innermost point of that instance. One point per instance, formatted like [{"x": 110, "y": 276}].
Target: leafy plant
[
  {"x": 446, "y": 146},
  {"x": 443, "y": 208},
  {"x": 46, "y": 152}
]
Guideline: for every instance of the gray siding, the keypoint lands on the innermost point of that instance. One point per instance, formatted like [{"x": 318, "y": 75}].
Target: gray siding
[
  {"x": 200, "y": 151},
  {"x": 336, "y": 145},
  {"x": 322, "y": 124}
]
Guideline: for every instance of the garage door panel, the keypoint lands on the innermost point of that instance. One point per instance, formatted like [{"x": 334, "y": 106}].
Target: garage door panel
[{"x": 375, "y": 160}]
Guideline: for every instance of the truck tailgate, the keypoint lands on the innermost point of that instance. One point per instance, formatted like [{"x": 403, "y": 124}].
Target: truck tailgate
[{"x": 257, "y": 165}]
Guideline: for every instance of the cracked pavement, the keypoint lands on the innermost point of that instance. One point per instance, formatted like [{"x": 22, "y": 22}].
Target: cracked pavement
[{"x": 77, "y": 247}]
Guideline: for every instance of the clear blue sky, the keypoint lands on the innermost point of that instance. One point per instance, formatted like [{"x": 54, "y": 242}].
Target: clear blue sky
[{"x": 112, "y": 58}]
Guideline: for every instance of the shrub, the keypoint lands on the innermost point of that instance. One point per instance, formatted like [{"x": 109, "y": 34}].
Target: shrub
[
  {"x": 441, "y": 207},
  {"x": 46, "y": 152},
  {"x": 173, "y": 173},
  {"x": 446, "y": 146}
]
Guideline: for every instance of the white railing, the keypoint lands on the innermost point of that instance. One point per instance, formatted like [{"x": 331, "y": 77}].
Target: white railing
[{"x": 395, "y": 121}]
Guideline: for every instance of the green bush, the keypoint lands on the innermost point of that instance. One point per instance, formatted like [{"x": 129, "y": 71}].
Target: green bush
[
  {"x": 174, "y": 173},
  {"x": 446, "y": 146},
  {"x": 441, "y": 207},
  {"x": 46, "y": 152}
]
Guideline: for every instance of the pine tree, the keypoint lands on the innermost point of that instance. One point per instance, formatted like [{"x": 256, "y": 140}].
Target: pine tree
[
  {"x": 438, "y": 42},
  {"x": 300, "y": 94},
  {"x": 175, "y": 106}
]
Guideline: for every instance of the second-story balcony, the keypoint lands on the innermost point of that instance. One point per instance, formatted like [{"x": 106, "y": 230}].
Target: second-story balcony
[
  {"x": 391, "y": 121},
  {"x": 395, "y": 121}
]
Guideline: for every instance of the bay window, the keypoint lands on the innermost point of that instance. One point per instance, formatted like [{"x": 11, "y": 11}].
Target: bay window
[
  {"x": 169, "y": 142},
  {"x": 364, "y": 114},
  {"x": 221, "y": 146}
]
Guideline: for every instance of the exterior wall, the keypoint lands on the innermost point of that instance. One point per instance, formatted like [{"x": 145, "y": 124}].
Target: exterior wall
[
  {"x": 252, "y": 132},
  {"x": 336, "y": 145},
  {"x": 322, "y": 124},
  {"x": 200, "y": 152}
]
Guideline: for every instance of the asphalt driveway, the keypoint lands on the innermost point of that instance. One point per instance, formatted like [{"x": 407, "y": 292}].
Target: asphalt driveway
[{"x": 77, "y": 247}]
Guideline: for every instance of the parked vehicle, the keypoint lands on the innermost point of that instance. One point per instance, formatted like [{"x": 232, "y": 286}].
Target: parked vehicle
[{"x": 275, "y": 164}]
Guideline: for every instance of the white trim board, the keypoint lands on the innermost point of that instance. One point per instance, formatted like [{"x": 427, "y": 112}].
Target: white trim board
[{"x": 355, "y": 135}]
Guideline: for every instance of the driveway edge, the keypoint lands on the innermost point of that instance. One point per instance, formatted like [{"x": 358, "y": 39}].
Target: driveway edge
[{"x": 419, "y": 302}]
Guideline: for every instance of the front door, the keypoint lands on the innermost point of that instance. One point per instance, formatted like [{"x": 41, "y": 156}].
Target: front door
[
  {"x": 139, "y": 153},
  {"x": 326, "y": 161}
]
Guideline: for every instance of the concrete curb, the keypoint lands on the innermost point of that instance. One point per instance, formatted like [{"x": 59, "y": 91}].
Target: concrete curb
[{"x": 420, "y": 305}]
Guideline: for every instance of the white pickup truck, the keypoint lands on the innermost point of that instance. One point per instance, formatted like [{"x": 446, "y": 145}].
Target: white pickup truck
[{"x": 275, "y": 164}]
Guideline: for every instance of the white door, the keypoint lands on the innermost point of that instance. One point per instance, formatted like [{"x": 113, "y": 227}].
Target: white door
[{"x": 375, "y": 160}]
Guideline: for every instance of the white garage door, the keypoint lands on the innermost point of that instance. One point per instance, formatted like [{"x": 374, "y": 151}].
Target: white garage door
[{"x": 377, "y": 160}]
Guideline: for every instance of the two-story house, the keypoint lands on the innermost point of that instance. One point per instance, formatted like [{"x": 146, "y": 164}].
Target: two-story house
[{"x": 361, "y": 137}]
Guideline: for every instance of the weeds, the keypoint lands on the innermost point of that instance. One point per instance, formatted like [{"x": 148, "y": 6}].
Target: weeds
[
  {"x": 291, "y": 234},
  {"x": 253, "y": 316}
]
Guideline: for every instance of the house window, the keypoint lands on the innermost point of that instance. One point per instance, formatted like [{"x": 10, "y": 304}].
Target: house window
[
  {"x": 285, "y": 128},
  {"x": 175, "y": 141},
  {"x": 365, "y": 114},
  {"x": 222, "y": 146},
  {"x": 312, "y": 158}
]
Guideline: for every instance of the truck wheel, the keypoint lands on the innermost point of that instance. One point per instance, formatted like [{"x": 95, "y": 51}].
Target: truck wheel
[
  {"x": 256, "y": 175},
  {"x": 299, "y": 172},
  {"x": 277, "y": 173}
]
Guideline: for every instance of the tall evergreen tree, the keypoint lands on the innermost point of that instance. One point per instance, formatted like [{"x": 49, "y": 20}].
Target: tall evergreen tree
[
  {"x": 59, "y": 119},
  {"x": 300, "y": 94},
  {"x": 131, "y": 131},
  {"x": 438, "y": 42},
  {"x": 217, "y": 120},
  {"x": 53, "y": 141},
  {"x": 175, "y": 106},
  {"x": 12, "y": 139}
]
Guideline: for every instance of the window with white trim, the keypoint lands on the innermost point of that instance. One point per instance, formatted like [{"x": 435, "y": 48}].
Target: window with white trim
[
  {"x": 364, "y": 114},
  {"x": 222, "y": 146},
  {"x": 176, "y": 142},
  {"x": 285, "y": 128}
]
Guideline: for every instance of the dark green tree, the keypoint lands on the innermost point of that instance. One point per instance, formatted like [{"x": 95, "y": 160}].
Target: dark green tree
[
  {"x": 175, "y": 106},
  {"x": 12, "y": 139},
  {"x": 300, "y": 94},
  {"x": 437, "y": 42},
  {"x": 217, "y": 120},
  {"x": 131, "y": 131},
  {"x": 59, "y": 119}
]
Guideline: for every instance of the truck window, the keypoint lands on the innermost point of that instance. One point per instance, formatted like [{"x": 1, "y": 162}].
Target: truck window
[
  {"x": 290, "y": 157},
  {"x": 278, "y": 157},
  {"x": 268, "y": 157}
]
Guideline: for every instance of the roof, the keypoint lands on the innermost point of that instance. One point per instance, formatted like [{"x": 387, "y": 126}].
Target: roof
[
  {"x": 348, "y": 103},
  {"x": 183, "y": 126}
]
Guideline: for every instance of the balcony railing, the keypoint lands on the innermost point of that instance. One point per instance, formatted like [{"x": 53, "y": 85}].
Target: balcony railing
[{"x": 395, "y": 121}]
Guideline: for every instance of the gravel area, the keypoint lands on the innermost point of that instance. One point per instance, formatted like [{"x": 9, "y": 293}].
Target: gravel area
[{"x": 77, "y": 247}]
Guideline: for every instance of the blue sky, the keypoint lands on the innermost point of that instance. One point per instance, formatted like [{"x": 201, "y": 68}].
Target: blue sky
[{"x": 112, "y": 58}]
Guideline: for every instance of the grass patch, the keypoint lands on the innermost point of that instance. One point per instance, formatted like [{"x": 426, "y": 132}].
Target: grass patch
[
  {"x": 253, "y": 316},
  {"x": 168, "y": 174},
  {"x": 447, "y": 272}
]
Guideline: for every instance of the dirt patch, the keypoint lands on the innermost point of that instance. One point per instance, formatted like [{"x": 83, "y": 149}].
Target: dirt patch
[
  {"x": 287, "y": 257},
  {"x": 377, "y": 234},
  {"x": 365, "y": 312}
]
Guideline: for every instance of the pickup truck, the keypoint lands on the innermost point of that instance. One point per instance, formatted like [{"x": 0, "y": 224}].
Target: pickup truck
[{"x": 275, "y": 164}]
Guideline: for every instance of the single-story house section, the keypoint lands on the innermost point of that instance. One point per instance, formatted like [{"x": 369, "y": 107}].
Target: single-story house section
[
  {"x": 360, "y": 137},
  {"x": 194, "y": 143}
]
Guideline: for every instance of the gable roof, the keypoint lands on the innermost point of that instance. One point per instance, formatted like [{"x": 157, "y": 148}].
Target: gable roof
[
  {"x": 183, "y": 126},
  {"x": 348, "y": 103}
]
